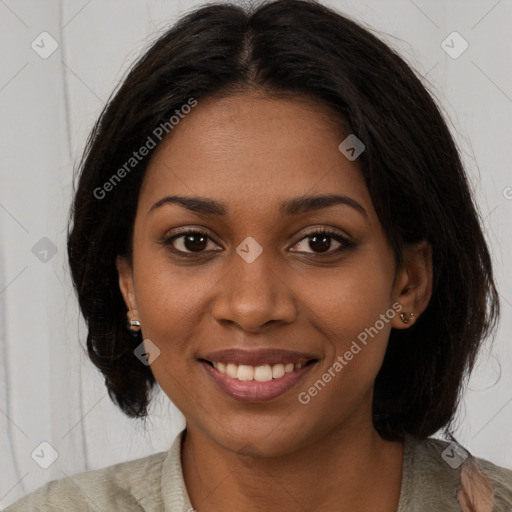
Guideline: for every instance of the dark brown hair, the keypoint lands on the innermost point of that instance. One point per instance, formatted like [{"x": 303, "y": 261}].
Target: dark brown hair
[{"x": 411, "y": 166}]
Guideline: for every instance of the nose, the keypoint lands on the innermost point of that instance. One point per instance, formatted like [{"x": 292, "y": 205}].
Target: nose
[{"x": 252, "y": 295}]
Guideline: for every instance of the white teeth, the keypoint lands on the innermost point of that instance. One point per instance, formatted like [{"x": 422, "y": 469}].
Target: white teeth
[
  {"x": 278, "y": 371},
  {"x": 245, "y": 372},
  {"x": 231, "y": 370},
  {"x": 262, "y": 373}
]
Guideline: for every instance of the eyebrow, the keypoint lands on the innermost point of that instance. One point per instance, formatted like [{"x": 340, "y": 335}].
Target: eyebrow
[{"x": 296, "y": 206}]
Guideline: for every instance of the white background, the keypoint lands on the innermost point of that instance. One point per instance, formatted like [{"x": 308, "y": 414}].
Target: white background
[{"x": 48, "y": 389}]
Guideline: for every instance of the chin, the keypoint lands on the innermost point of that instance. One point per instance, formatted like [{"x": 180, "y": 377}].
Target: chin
[{"x": 261, "y": 437}]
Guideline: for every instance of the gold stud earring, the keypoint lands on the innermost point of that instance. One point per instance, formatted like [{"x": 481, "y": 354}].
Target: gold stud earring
[{"x": 404, "y": 319}]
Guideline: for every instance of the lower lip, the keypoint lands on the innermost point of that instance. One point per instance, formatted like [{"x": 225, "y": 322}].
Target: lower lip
[{"x": 254, "y": 391}]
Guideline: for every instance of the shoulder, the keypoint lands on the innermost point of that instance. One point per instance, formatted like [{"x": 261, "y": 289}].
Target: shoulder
[
  {"x": 437, "y": 471},
  {"x": 129, "y": 486},
  {"x": 501, "y": 481}
]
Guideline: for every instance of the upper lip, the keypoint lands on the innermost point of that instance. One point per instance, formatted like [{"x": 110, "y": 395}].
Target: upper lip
[{"x": 258, "y": 357}]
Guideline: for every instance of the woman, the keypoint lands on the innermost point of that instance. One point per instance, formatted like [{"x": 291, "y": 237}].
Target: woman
[{"x": 273, "y": 223}]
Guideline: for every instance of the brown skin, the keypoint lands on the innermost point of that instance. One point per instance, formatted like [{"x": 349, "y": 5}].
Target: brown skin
[{"x": 251, "y": 153}]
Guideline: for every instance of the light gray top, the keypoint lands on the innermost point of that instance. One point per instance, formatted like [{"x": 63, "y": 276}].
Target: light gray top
[{"x": 155, "y": 484}]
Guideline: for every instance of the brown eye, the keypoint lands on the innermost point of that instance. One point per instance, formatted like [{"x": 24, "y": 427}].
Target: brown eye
[
  {"x": 195, "y": 242},
  {"x": 321, "y": 242},
  {"x": 190, "y": 242}
]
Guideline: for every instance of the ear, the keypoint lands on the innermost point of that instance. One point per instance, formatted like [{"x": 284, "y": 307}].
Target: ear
[
  {"x": 124, "y": 272},
  {"x": 413, "y": 284}
]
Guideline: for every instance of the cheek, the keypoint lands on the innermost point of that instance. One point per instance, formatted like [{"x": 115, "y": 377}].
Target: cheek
[
  {"x": 167, "y": 293},
  {"x": 168, "y": 301},
  {"x": 357, "y": 335},
  {"x": 353, "y": 311},
  {"x": 168, "y": 308},
  {"x": 350, "y": 320}
]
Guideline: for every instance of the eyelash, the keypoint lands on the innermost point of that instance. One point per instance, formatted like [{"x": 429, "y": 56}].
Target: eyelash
[{"x": 345, "y": 242}]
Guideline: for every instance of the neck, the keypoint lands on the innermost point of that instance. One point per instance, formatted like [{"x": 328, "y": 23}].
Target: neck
[{"x": 343, "y": 471}]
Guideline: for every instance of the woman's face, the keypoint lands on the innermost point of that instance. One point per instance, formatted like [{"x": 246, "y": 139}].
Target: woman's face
[{"x": 254, "y": 287}]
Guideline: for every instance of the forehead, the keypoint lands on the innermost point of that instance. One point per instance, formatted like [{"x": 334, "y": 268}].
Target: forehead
[{"x": 251, "y": 149}]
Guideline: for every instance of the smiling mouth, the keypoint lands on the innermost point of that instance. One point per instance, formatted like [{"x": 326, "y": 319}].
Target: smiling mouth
[{"x": 259, "y": 373}]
